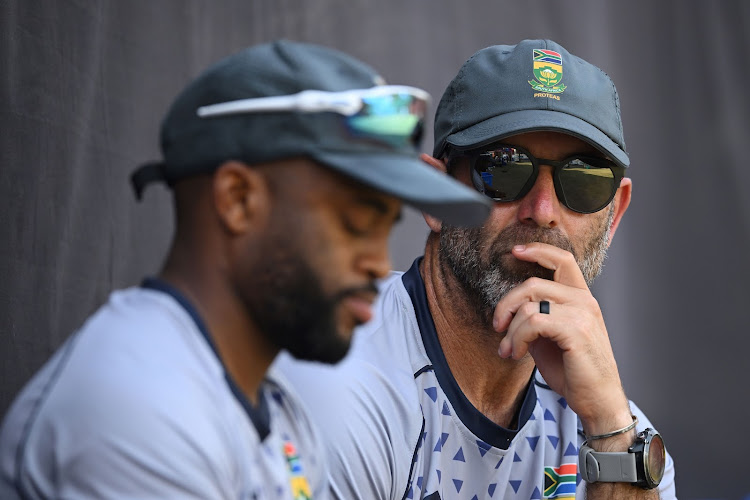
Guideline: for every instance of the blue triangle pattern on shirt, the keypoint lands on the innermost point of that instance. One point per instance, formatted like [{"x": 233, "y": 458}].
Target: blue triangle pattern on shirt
[
  {"x": 498, "y": 463},
  {"x": 439, "y": 474},
  {"x": 419, "y": 482},
  {"x": 446, "y": 410},
  {"x": 533, "y": 442},
  {"x": 491, "y": 489},
  {"x": 532, "y": 417},
  {"x": 432, "y": 392},
  {"x": 474, "y": 498},
  {"x": 535, "y": 495},
  {"x": 483, "y": 447},
  {"x": 571, "y": 450},
  {"x": 440, "y": 442},
  {"x": 459, "y": 456},
  {"x": 562, "y": 402},
  {"x": 515, "y": 485},
  {"x": 458, "y": 483},
  {"x": 410, "y": 494},
  {"x": 549, "y": 416},
  {"x": 554, "y": 440},
  {"x": 516, "y": 458}
]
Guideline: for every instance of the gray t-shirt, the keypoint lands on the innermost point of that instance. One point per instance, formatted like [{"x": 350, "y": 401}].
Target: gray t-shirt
[
  {"x": 137, "y": 404},
  {"x": 397, "y": 426}
]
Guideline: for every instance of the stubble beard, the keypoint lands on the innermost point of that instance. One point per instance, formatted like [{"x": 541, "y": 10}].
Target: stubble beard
[
  {"x": 293, "y": 313},
  {"x": 284, "y": 294},
  {"x": 486, "y": 271}
]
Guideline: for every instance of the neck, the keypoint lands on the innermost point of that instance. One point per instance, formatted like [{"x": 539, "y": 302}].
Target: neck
[
  {"x": 243, "y": 350},
  {"x": 495, "y": 386}
]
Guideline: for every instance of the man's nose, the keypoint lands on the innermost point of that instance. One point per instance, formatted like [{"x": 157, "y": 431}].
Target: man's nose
[{"x": 540, "y": 206}]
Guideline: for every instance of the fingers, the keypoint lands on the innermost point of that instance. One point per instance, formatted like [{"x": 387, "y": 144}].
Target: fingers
[
  {"x": 562, "y": 326},
  {"x": 568, "y": 285},
  {"x": 534, "y": 290},
  {"x": 562, "y": 262}
]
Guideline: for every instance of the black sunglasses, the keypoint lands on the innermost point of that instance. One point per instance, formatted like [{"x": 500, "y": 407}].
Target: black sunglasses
[{"x": 584, "y": 184}]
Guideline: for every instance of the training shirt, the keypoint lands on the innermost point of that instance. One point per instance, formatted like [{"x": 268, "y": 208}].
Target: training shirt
[
  {"x": 397, "y": 425},
  {"x": 137, "y": 404}
]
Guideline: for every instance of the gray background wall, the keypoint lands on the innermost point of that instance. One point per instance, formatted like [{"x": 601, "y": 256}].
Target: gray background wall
[{"x": 84, "y": 83}]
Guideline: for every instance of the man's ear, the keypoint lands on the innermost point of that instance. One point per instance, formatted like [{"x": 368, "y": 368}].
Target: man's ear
[
  {"x": 622, "y": 201},
  {"x": 434, "y": 224},
  {"x": 241, "y": 196}
]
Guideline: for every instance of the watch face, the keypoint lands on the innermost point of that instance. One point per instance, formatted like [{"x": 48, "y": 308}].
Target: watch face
[{"x": 654, "y": 458}]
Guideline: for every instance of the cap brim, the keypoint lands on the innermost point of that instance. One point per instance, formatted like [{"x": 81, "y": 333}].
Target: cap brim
[
  {"x": 414, "y": 182},
  {"x": 517, "y": 122}
]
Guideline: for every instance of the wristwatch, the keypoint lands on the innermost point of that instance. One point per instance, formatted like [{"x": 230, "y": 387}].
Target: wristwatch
[{"x": 642, "y": 465}]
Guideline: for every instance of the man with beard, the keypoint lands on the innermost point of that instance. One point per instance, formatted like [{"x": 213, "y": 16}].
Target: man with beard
[
  {"x": 288, "y": 164},
  {"x": 488, "y": 372}
]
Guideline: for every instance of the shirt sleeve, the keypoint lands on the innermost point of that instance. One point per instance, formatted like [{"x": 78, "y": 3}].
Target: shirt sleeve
[
  {"x": 95, "y": 434},
  {"x": 369, "y": 429}
]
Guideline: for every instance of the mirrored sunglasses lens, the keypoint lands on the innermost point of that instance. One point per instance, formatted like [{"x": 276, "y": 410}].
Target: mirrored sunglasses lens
[
  {"x": 502, "y": 174},
  {"x": 394, "y": 118},
  {"x": 586, "y": 187}
]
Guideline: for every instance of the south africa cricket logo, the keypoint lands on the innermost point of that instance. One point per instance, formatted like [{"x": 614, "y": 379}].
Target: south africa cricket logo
[{"x": 548, "y": 72}]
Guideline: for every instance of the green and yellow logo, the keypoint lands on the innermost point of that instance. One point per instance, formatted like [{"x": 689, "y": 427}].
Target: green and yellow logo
[{"x": 548, "y": 72}]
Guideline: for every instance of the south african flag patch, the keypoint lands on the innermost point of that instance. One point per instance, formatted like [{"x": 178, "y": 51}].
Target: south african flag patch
[{"x": 560, "y": 482}]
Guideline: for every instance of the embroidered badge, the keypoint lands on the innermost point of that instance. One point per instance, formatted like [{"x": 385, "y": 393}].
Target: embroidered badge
[
  {"x": 548, "y": 73},
  {"x": 560, "y": 482},
  {"x": 297, "y": 480}
]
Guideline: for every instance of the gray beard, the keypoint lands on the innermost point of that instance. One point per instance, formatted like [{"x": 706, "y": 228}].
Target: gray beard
[{"x": 479, "y": 267}]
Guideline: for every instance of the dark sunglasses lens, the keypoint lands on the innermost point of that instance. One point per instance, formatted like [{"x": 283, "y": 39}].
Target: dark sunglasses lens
[
  {"x": 502, "y": 174},
  {"x": 587, "y": 186}
]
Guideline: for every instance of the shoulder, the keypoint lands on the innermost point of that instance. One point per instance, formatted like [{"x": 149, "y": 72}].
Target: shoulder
[
  {"x": 353, "y": 393},
  {"x": 129, "y": 395},
  {"x": 392, "y": 340}
]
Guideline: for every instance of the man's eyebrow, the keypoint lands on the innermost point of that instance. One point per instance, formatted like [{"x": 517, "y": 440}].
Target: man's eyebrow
[{"x": 378, "y": 205}]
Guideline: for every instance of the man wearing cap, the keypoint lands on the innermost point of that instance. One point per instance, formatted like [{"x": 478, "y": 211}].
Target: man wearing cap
[
  {"x": 488, "y": 371},
  {"x": 288, "y": 164}
]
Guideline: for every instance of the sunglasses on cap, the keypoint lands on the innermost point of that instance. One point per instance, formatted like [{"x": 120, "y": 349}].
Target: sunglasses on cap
[
  {"x": 391, "y": 113},
  {"x": 584, "y": 184}
]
